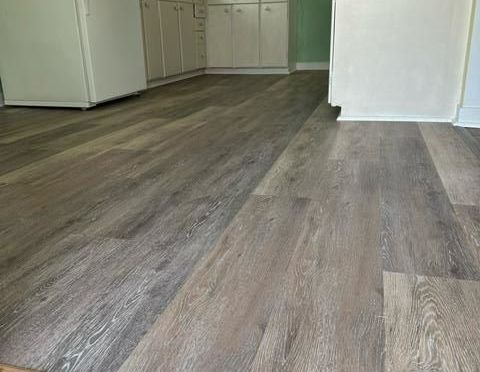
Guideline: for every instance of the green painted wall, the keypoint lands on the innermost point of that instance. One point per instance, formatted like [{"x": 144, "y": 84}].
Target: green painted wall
[{"x": 313, "y": 30}]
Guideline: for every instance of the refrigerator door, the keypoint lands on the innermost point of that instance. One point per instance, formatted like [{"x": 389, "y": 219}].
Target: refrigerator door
[
  {"x": 41, "y": 61},
  {"x": 113, "y": 47}
]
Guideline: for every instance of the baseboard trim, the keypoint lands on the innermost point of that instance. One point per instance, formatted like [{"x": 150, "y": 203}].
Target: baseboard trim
[
  {"x": 83, "y": 105},
  {"x": 404, "y": 119},
  {"x": 468, "y": 117},
  {"x": 468, "y": 125},
  {"x": 312, "y": 66},
  {"x": 172, "y": 79},
  {"x": 248, "y": 71}
]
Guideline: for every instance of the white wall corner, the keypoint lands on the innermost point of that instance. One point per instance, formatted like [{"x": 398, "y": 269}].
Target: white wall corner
[
  {"x": 468, "y": 117},
  {"x": 469, "y": 111},
  {"x": 310, "y": 66}
]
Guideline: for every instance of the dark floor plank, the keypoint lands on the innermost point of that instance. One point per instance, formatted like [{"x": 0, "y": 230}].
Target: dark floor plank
[
  {"x": 469, "y": 218},
  {"x": 328, "y": 313},
  {"x": 356, "y": 141},
  {"x": 169, "y": 197},
  {"x": 432, "y": 323},
  {"x": 456, "y": 164},
  {"x": 302, "y": 169},
  {"x": 218, "y": 319},
  {"x": 472, "y": 142},
  {"x": 421, "y": 234},
  {"x": 282, "y": 318}
]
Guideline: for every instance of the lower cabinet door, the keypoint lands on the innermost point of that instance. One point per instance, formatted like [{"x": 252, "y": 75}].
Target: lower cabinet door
[
  {"x": 274, "y": 35},
  {"x": 171, "y": 37},
  {"x": 219, "y": 36},
  {"x": 246, "y": 46},
  {"x": 152, "y": 39},
  {"x": 187, "y": 33}
]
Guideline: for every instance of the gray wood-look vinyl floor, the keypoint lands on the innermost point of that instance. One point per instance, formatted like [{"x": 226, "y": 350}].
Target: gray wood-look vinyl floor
[{"x": 229, "y": 223}]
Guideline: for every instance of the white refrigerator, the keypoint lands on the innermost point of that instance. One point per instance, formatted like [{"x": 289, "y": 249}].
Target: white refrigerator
[{"x": 70, "y": 53}]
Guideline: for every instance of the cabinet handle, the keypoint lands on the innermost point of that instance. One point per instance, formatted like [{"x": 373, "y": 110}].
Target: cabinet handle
[
  {"x": 146, "y": 4},
  {"x": 181, "y": 7},
  {"x": 239, "y": 10},
  {"x": 268, "y": 8},
  {"x": 226, "y": 10},
  {"x": 175, "y": 8}
]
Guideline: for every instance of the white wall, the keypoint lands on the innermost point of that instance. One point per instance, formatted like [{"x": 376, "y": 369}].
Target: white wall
[
  {"x": 400, "y": 60},
  {"x": 469, "y": 114}
]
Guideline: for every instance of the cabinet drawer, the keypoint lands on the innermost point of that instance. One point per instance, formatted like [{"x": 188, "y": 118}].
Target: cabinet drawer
[
  {"x": 199, "y": 24},
  {"x": 200, "y": 11}
]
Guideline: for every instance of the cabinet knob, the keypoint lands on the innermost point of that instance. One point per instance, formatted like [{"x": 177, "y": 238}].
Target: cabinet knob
[
  {"x": 268, "y": 8},
  {"x": 226, "y": 10},
  {"x": 146, "y": 4},
  {"x": 239, "y": 10},
  {"x": 181, "y": 7}
]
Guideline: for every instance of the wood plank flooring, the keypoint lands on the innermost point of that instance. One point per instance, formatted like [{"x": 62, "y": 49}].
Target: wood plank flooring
[{"x": 229, "y": 223}]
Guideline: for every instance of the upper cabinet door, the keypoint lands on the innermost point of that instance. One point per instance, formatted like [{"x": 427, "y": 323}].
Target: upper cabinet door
[
  {"x": 246, "y": 48},
  {"x": 153, "y": 40},
  {"x": 274, "y": 35},
  {"x": 187, "y": 33},
  {"x": 219, "y": 36},
  {"x": 170, "y": 37}
]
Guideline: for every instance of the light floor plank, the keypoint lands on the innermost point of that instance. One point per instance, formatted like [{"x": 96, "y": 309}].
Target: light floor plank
[{"x": 432, "y": 324}]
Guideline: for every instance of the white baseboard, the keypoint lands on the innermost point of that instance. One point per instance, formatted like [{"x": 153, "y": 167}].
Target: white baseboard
[
  {"x": 468, "y": 117},
  {"x": 403, "y": 119},
  {"x": 309, "y": 66},
  {"x": 248, "y": 71},
  {"x": 468, "y": 125},
  {"x": 173, "y": 79}
]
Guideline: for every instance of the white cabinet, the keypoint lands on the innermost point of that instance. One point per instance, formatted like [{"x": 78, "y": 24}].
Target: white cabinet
[
  {"x": 251, "y": 34},
  {"x": 152, "y": 38},
  {"x": 274, "y": 34},
  {"x": 219, "y": 36},
  {"x": 187, "y": 37},
  {"x": 246, "y": 50},
  {"x": 171, "y": 38}
]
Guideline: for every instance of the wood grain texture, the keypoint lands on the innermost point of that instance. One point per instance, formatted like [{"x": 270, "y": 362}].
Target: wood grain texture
[
  {"x": 432, "y": 323},
  {"x": 456, "y": 164},
  {"x": 327, "y": 315},
  {"x": 8, "y": 368},
  {"x": 268, "y": 298},
  {"x": 222, "y": 223},
  {"x": 420, "y": 232},
  {"x": 118, "y": 212},
  {"x": 470, "y": 140}
]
